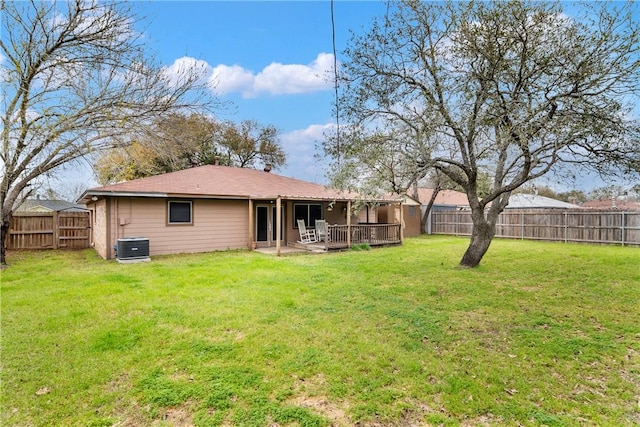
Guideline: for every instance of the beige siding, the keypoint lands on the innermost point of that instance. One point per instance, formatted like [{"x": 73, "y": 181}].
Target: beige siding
[
  {"x": 412, "y": 220},
  {"x": 361, "y": 217},
  {"x": 217, "y": 225}
]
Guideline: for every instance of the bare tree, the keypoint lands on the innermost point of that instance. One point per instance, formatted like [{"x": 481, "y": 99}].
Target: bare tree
[
  {"x": 76, "y": 79},
  {"x": 511, "y": 89}
]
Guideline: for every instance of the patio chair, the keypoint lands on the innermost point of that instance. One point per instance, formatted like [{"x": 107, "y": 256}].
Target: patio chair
[
  {"x": 306, "y": 236},
  {"x": 321, "y": 230}
]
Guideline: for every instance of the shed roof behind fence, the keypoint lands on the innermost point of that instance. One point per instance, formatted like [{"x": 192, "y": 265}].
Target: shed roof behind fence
[{"x": 528, "y": 201}]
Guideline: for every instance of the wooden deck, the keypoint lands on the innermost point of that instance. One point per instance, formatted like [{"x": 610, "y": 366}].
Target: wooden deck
[{"x": 343, "y": 237}]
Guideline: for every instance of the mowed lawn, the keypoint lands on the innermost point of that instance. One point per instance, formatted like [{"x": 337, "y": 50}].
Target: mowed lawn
[{"x": 539, "y": 334}]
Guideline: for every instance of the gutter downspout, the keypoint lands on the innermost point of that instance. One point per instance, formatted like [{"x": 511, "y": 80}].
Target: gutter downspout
[{"x": 107, "y": 203}]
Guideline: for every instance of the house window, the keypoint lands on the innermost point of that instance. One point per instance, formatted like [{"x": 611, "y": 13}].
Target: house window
[
  {"x": 180, "y": 212},
  {"x": 307, "y": 212}
]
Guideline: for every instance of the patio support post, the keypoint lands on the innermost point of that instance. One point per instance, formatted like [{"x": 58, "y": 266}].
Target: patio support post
[
  {"x": 349, "y": 224},
  {"x": 251, "y": 225},
  {"x": 278, "y": 224}
]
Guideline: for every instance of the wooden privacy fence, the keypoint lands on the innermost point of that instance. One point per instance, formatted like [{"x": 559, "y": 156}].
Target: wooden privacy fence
[
  {"x": 49, "y": 230},
  {"x": 589, "y": 226}
]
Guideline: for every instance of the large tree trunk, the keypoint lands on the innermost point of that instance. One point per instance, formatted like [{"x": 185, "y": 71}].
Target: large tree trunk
[
  {"x": 484, "y": 229},
  {"x": 4, "y": 232},
  {"x": 425, "y": 217}
]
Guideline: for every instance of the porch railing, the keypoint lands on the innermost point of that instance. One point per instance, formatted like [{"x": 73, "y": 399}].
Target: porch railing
[{"x": 373, "y": 234}]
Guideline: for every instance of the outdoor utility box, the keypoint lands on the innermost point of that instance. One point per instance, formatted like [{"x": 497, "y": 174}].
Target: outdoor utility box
[{"x": 132, "y": 248}]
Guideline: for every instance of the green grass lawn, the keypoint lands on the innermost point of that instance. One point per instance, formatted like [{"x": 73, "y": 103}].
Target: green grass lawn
[{"x": 539, "y": 334}]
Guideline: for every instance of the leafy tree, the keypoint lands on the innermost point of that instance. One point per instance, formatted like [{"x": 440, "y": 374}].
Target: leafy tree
[
  {"x": 171, "y": 143},
  {"x": 510, "y": 89},
  {"x": 76, "y": 80},
  {"x": 380, "y": 161},
  {"x": 179, "y": 141},
  {"x": 126, "y": 163},
  {"x": 613, "y": 192},
  {"x": 247, "y": 143}
]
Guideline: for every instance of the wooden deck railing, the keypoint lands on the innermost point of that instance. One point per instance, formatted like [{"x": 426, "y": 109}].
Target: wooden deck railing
[{"x": 341, "y": 236}]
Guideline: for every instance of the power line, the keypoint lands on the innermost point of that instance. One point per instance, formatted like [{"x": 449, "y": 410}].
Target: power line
[{"x": 335, "y": 80}]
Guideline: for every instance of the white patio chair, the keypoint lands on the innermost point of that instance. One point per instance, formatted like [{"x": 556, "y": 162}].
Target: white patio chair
[
  {"x": 322, "y": 231},
  {"x": 306, "y": 236}
]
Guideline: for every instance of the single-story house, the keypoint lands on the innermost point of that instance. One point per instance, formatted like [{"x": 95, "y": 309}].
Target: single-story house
[
  {"x": 445, "y": 199},
  {"x": 211, "y": 208},
  {"x": 414, "y": 207},
  {"x": 612, "y": 203}
]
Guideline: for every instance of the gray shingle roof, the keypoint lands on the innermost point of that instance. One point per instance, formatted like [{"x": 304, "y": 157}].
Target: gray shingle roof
[
  {"x": 524, "y": 201},
  {"x": 39, "y": 205}
]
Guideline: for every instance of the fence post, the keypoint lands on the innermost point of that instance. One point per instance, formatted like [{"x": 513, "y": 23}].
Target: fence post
[
  {"x": 522, "y": 225},
  {"x": 565, "y": 226},
  {"x": 622, "y": 223},
  {"x": 56, "y": 230}
]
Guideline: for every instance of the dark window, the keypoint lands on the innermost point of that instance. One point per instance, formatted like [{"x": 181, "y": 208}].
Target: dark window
[
  {"x": 307, "y": 212},
  {"x": 262, "y": 222},
  {"x": 180, "y": 213}
]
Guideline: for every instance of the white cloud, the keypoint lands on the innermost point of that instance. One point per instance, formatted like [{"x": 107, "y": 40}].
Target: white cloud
[
  {"x": 300, "y": 146},
  {"x": 228, "y": 79},
  {"x": 276, "y": 78},
  {"x": 187, "y": 66}
]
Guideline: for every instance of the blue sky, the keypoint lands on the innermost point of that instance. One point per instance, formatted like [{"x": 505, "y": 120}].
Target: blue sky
[{"x": 272, "y": 60}]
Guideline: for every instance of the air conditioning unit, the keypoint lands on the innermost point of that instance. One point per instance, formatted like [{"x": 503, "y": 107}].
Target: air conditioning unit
[{"x": 132, "y": 248}]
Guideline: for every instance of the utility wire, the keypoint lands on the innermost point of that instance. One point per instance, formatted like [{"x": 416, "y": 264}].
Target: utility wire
[{"x": 335, "y": 81}]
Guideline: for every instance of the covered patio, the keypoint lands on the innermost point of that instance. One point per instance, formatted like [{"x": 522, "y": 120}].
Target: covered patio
[{"x": 273, "y": 224}]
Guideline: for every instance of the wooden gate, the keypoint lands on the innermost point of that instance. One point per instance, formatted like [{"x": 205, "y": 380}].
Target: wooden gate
[{"x": 49, "y": 230}]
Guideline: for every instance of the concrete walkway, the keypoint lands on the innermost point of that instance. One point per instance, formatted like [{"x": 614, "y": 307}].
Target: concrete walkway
[{"x": 284, "y": 250}]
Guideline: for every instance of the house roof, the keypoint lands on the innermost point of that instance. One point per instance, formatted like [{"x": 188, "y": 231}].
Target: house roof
[
  {"x": 527, "y": 201},
  {"x": 620, "y": 204},
  {"x": 444, "y": 197},
  {"x": 220, "y": 182},
  {"x": 44, "y": 205}
]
